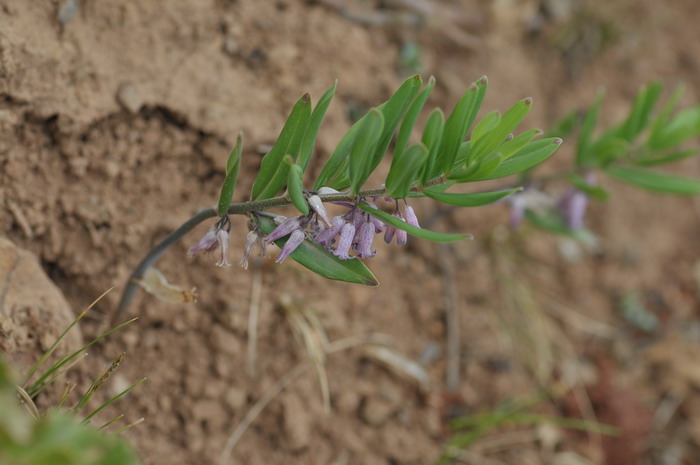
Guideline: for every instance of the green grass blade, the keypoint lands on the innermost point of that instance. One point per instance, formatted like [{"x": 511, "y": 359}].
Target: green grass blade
[{"x": 112, "y": 400}]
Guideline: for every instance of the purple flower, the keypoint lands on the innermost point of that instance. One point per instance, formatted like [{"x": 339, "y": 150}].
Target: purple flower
[
  {"x": 401, "y": 237},
  {"x": 411, "y": 217},
  {"x": 364, "y": 241},
  {"x": 222, "y": 239},
  {"x": 215, "y": 238},
  {"x": 294, "y": 241},
  {"x": 573, "y": 207},
  {"x": 285, "y": 228},
  {"x": 326, "y": 237},
  {"x": 252, "y": 239},
  {"x": 389, "y": 234},
  {"x": 346, "y": 236},
  {"x": 208, "y": 243}
]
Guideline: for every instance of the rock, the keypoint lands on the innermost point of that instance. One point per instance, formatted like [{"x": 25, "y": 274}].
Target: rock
[
  {"x": 130, "y": 98},
  {"x": 33, "y": 311},
  {"x": 67, "y": 11}
]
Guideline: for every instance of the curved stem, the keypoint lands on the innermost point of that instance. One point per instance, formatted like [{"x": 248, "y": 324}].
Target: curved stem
[{"x": 235, "y": 209}]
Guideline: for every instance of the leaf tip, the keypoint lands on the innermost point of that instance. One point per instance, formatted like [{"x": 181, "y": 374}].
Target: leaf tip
[
  {"x": 558, "y": 141},
  {"x": 306, "y": 98},
  {"x": 528, "y": 101},
  {"x": 483, "y": 80}
]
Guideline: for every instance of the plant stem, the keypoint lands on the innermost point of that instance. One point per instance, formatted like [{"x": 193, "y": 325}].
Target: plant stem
[{"x": 235, "y": 209}]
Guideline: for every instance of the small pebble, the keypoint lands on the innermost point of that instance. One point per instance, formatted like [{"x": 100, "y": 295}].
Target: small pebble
[
  {"x": 67, "y": 11},
  {"x": 130, "y": 98}
]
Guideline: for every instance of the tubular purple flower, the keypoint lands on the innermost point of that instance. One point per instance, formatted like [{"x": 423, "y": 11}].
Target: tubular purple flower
[
  {"x": 411, "y": 217},
  {"x": 401, "y": 237},
  {"x": 517, "y": 211},
  {"x": 378, "y": 225},
  {"x": 208, "y": 243},
  {"x": 327, "y": 236},
  {"x": 573, "y": 207},
  {"x": 222, "y": 239},
  {"x": 294, "y": 241},
  {"x": 317, "y": 206},
  {"x": 389, "y": 234},
  {"x": 345, "y": 242},
  {"x": 364, "y": 245},
  {"x": 251, "y": 240},
  {"x": 284, "y": 229}
]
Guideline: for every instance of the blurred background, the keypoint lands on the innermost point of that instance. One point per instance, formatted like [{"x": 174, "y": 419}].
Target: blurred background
[{"x": 116, "y": 119}]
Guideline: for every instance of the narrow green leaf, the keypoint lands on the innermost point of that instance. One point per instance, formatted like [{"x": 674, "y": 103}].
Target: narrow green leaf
[
  {"x": 462, "y": 157},
  {"x": 316, "y": 258},
  {"x": 295, "y": 186},
  {"x": 476, "y": 199},
  {"x": 409, "y": 121},
  {"x": 465, "y": 174},
  {"x": 273, "y": 172},
  {"x": 432, "y": 138},
  {"x": 307, "y": 144},
  {"x": 457, "y": 126},
  {"x": 641, "y": 109},
  {"x": 405, "y": 170},
  {"x": 652, "y": 180},
  {"x": 508, "y": 148},
  {"x": 233, "y": 166},
  {"x": 418, "y": 232},
  {"x": 487, "y": 165},
  {"x": 393, "y": 111},
  {"x": 665, "y": 115},
  {"x": 595, "y": 192},
  {"x": 651, "y": 160},
  {"x": 368, "y": 136},
  {"x": 531, "y": 155},
  {"x": 684, "y": 126},
  {"x": 609, "y": 148},
  {"x": 566, "y": 125},
  {"x": 335, "y": 172},
  {"x": 488, "y": 123},
  {"x": 584, "y": 156},
  {"x": 485, "y": 145}
]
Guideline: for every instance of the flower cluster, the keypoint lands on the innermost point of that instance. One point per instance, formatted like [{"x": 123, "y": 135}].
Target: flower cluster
[
  {"x": 570, "y": 206},
  {"x": 347, "y": 236},
  {"x": 215, "y": 239}
]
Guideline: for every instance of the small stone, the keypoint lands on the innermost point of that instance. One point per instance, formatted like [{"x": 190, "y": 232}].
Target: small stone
[
  {"x": 130, "y": 98},
  {"x": 231, "y": 46},
  {"x": 236, "y": 398},
  {"x": 375, "y": 411},
  {"x": 67, "y": 11}
]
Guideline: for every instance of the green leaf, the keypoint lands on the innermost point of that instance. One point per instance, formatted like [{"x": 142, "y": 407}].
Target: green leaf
[
  {"x": 531, "y": 155},
  {"x": 457, "y": 126},
  {"x": 486, "y": 144},
  {"x": 665, "y": 115},
  {"x": 418, "y": 232},
  {"x": 651, "y": 160},
  {"x": 335, "y": 172},
  {"x": 432, "y": 137},
  {"x": 273, "y": 172},
  {"x": 316, "y": 258},
  {"x": 233, "y": 166},
  {"x": 409, "y": 121},
  {"x": 368, "y": 136},
  {"x": 404, "y": 170},
  {"x": 488, "y": 123},
  {"x": 487, "y": 165},
  {"x": 595, "y": 192},
  {"x": 476, "y": 199},
  {"x": 584, "y": 156},
  {"x": 641, "y": 109},
  {"x": 566, "y": 125},
  {"x": 609, "y": 148},
  {"x": 681, "y": 128},
  {"x": 652, "y": 180},
  {"x": 509, "y": 148},
  {"x": 393, "y": 111},
  {"x": 295, "y": 186},
  {"x": 309, "y": 140}
]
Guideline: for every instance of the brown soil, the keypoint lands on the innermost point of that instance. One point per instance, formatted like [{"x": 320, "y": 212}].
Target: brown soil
[{"x": 114, "y": 128}]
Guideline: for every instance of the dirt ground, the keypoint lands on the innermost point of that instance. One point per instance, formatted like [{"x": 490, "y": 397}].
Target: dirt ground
[{"x": 115, "y": 122}]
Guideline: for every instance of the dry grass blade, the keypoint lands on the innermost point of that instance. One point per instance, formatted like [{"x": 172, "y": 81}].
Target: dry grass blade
[
  {"x": 130, "y": 425},
  {"x": 66, "y": 392},
  {"x": 28, "y": 402},
  {"x": 256, "y": 287},
  {"x": 400, "y": 365},
  {"x": 112, "y": 421},
  {"x": 309, "y": 329},
  {"x": 259, "y": 406}
]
